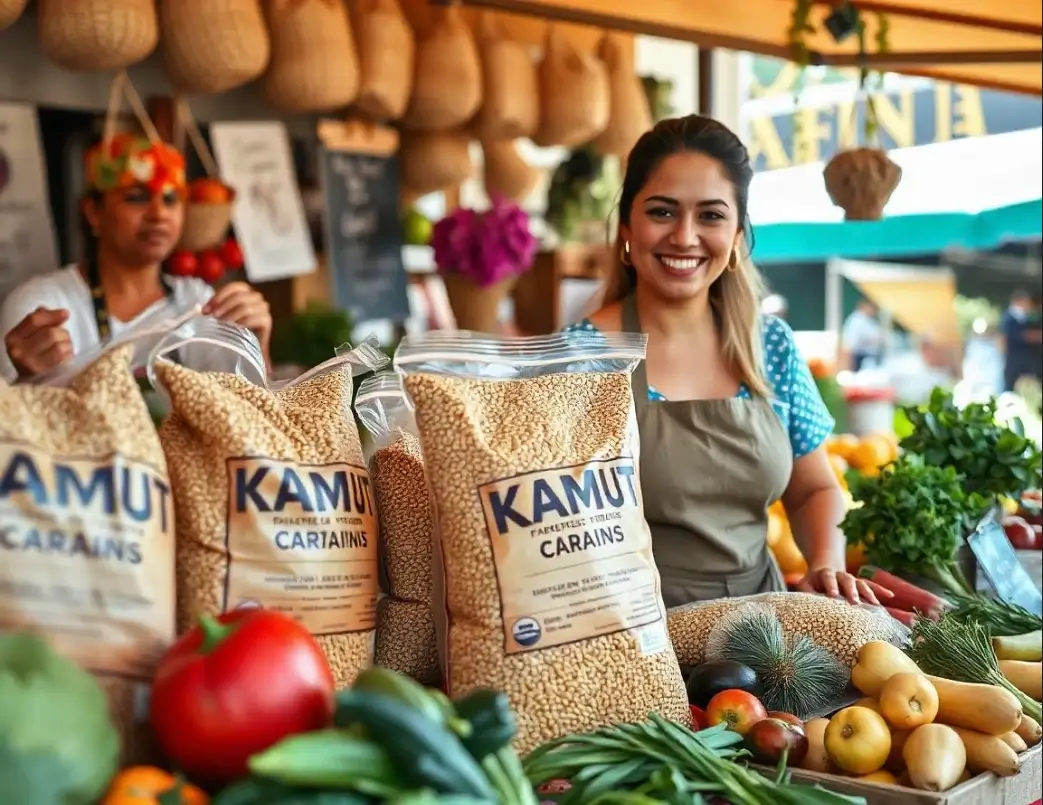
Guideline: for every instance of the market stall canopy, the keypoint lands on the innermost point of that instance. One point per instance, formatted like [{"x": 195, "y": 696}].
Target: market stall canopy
[
  {"x": 983, "y": 42},
  {"x": 922, "y": 301},
  {"x": 974, "y": 193}
]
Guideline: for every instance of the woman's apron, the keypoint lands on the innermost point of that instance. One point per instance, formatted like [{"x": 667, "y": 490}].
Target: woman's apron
[{"x": 709, "y": 471}]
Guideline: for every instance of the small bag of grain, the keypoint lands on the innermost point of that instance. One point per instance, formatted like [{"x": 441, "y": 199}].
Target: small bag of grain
[
  {"x": 405, "y": 626},
  {"x": 544, "y": 581},
  {"x": 273, "y": 500},
  {"x": 87, "y": 523}
]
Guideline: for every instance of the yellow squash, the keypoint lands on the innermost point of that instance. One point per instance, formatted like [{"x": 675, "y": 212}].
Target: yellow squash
[
  {"x": 1026, "y": 647},
  {"x": 935, "y": 757},
  {"x": 985, "y": 708},
  {"x": 988, "y": 753},
  {"x": 1025, "y": 676},
  {"x": 908, "y": 701},
  {"x": 877, "y": 662},
  {"x": 1029, "y": 730}
]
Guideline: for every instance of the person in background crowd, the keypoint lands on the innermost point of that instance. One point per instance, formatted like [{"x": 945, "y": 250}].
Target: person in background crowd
[
  {"x": 730, "y": 419},
  {"x": 862, "y": 338},
  {"x": 133, "y": 212},
  {"x": 1022, "y": 335}
]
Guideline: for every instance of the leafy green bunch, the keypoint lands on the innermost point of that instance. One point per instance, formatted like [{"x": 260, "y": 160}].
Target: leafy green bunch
[
  {"x": 995, "y": 460},
  {"x": 912, "y": 519}
]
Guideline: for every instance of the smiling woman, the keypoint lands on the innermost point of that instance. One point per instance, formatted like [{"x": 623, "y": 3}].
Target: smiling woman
[
  {"x": 729, "y": 415},
  {"x": 133, "y": 213}
]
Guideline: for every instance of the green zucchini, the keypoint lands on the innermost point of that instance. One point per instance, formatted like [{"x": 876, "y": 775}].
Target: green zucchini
[
  {"x": 257, "y": 791},
  {"x": 424, "y": 752},
  {"x": 401, "y": 688},
  {"x": 493, "y": 725},
  {"x": 329, "y": 759}
]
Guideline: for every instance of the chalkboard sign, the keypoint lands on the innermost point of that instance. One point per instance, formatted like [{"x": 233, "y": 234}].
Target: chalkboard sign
[
  {"x": 1001, "y": 567},
  {"x": 359, "y": 174}
]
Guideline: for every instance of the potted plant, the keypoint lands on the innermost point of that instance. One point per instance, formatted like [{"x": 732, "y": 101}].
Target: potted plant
[{"x": 479, "y": 256}]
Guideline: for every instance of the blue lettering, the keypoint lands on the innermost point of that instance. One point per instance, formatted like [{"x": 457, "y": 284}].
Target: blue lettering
[
  {"x": 312, "y": 492},
  {"x": 597, "y": 488}
]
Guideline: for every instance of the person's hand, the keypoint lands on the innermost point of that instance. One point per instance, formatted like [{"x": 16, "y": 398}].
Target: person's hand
[
  {"x": 240, "y": 304},
  {"x": 835, "y": 583},
  {"x": 39, "y": 342}
]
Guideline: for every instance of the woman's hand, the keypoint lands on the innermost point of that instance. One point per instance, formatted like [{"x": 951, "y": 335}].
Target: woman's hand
[
  {"x": 39, "y": 342},
  {"x": 834, "y": 583},
  {"x": 238, "y": 303}
]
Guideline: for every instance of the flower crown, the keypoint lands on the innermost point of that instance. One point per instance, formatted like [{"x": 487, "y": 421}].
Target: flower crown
[{"x": 127, "y": 160}]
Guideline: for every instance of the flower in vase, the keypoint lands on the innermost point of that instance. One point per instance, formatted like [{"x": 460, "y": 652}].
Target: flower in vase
[{"x": 485, "y": 247}]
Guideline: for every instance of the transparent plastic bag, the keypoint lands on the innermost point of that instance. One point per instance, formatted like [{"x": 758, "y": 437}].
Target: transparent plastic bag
[
  {"x": 406, "y": 639},
  {"x": 543, "y": 564},
  {"x": 272, "y": 495},
  {"x": 144, "y": 335}
]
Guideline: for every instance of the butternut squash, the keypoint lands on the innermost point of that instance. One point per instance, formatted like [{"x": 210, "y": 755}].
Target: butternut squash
[
  {"x": 1025, "y": 676},
  {"x": 988, "y": 753},
  {"x": 877, "y": 662},
  {"x": 868, "y": 701},
  {"x": 1029, "y": 730},
  {"x": 1015, "y": 742},
  {"x": 881, "y": 777},
  {"x": 985, "y": 708},
  {"x": 935, "y": 757},
  {"x": 908, "y": 701},
  {"x": 816, "y": 759},
  {"x": 1027, "y": 647},
  {"x": 895, "y": 762}
]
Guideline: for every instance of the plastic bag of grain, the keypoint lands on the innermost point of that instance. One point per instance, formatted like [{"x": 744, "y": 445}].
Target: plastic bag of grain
[
  {"x": 405, "y": 626},
  {"x": 273, "y": 499},
  {"x": 544, "y": 581},
  {"x": 88, "y": 523},
  {"x": 839, "y": 627}
]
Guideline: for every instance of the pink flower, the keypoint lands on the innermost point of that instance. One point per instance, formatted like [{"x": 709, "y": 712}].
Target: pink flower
[{"x": 485, "y": 247}]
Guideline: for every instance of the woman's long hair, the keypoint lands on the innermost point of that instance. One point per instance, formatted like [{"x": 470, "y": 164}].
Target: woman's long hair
[{"x": 735, "y": 297}]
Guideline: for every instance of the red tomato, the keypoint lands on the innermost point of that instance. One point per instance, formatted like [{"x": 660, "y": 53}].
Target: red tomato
[
  {"x": 232, "y": 255},
  {"x": 698, "y": 718},
  {"x": 183, "y": 264},
  {"x": 736, "y": 708},
  {"x": 211, "y": 267},
  {"x": 234, "y": 686}
]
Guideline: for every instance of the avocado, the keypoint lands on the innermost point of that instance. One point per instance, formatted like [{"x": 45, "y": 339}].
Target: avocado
[{"x": 710, "y": 678}]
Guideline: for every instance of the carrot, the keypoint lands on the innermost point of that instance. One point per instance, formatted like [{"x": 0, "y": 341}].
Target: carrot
[
  {"x": 900, "y": 615},
  {"x": 907, "y": 597}
]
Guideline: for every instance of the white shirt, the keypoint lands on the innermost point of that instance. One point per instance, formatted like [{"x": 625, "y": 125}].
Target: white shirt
[
  {"x": 66, "y": 289},
  {"x": 862, "y": 333}
]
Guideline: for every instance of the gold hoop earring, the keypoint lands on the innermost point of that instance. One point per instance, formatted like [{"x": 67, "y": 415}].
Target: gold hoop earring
[
  {"x": 733, "y": 262},
  {"x": 624, "y": 255}
]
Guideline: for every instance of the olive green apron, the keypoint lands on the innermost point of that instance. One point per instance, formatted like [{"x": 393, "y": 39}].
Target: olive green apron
[{"x": 709, "y": 471}]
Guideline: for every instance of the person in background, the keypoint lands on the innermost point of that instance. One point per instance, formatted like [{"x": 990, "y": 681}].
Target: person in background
[
  {"x": 730, "y": 419},
  {"x": 1022, "y": 336},
  {"x": 862, "y": 338},
  {"x": 133, "y": 213}
]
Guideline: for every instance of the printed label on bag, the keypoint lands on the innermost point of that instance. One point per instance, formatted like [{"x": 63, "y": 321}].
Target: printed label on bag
[
  {"x": 86, "y": 556},
  {"x": 302, "y": 539},
  {"x": 573, "y": 554}
]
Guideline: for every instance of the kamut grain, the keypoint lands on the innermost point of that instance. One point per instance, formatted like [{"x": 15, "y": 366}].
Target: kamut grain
[
  {"x": 406, "y": 640},
  {"x": 837, "y": 626},
  {"x": 319, "y": 563},
  {"x": 71, "y": 576},
  {"x": 479, "y": 433},
  {"x": 405, "y": 627}
]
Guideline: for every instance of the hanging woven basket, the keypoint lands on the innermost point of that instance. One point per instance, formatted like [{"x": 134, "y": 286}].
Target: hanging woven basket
[
  {"x": 861, "y": 181},
  {"x": 10, "y": 11},
  {"x": 95, "y": 35},
  {"x": 208, "y": 214}
]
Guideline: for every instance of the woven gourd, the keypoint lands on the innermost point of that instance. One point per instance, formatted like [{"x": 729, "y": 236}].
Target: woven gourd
[
  {"x": 510, "y": 88},
  {"x": 212, "y": 46},
  {"x": 447, "y": 83},
  {"x": 10, "y": 11},
  {"x": 386, "y": 52},
  {"x": 574, "y": 94},
  {"x": 861, "y": 181},
  {"x": 94, "y": 35}
]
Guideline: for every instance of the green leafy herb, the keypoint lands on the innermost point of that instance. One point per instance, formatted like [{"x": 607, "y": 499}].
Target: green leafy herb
[
  {"x": 998, "y": 618},
  {"x": 912, "y": 519},
  {"x": 962, "y": 652},
  {"x": 995, "y": 460}
]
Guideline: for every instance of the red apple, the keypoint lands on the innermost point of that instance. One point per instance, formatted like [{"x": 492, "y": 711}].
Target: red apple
[
  {"x": 698, "y": 718},
  {"x": 789, "y": 718},
  {"x": 736, "y": 708},
  {"x": 1019, "y": 533},
  {"x": 183, "y": 264},
  {"x": 771, "y": 738},
  {"x": 211, "y": 267},
  {"x": 1037, "y": 537}
]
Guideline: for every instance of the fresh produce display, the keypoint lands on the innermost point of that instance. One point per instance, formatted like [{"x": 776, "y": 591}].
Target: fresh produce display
[
  {"x": 994, "y": 460},
  {"x": 794, "y": 674},
  {"x": 736, "y": 709},
  {"x": 209, "y": 265}
]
